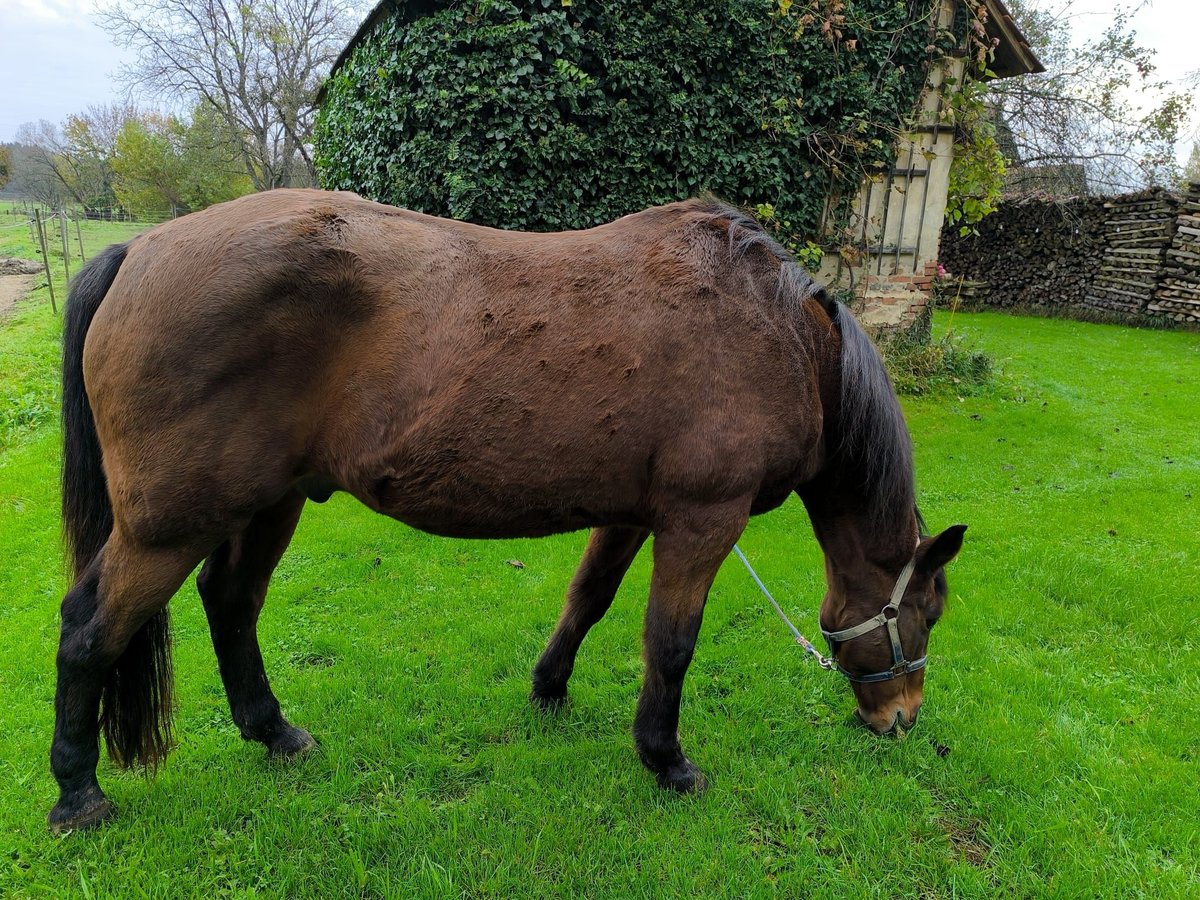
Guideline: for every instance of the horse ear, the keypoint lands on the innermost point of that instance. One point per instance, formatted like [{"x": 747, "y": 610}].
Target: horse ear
[{"x": 942, "y": 549}]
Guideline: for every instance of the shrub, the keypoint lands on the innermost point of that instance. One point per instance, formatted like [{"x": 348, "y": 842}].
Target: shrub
[{"x": 919, "y": 365}]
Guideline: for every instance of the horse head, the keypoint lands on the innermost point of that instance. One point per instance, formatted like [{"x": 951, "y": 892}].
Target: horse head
[{"x": 877, "y": 623}]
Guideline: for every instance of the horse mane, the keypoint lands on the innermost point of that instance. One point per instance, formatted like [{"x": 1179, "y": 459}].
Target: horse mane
[{"x": 870, "y": 442}]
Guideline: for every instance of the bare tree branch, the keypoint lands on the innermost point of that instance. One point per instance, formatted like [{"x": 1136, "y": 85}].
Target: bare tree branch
[
  {"x": 259, "y": 63},
  {"x": 1099, "y": 107}
]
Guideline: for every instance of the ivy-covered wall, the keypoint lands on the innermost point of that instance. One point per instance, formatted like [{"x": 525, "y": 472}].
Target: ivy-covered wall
[{"x": 548, "y": 115}]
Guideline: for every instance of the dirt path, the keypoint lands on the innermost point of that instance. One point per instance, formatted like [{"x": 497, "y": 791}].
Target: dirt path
[{"x": 12, "y": 289}]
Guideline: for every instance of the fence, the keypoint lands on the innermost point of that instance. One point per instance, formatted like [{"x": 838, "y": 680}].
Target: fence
[{"x": 57, "y": 235}]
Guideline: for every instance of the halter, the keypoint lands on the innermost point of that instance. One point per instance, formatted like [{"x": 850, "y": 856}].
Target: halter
[{"x": 886, "y": 619}]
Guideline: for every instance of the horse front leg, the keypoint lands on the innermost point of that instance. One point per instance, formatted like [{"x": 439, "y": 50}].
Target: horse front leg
[
  {"x": 233, "y": 585},
  {"x": 609, "y": 553},
  {"x": 687, "y": 555}
]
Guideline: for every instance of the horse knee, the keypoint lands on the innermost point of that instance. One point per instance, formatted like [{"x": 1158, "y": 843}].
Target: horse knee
[{"x": 79, "y": 647}]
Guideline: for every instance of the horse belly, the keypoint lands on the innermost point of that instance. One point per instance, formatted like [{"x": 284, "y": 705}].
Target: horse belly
[{"x": 508, "y": 485}]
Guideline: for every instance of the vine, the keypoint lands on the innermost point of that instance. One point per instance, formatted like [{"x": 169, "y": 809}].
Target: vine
[{"x": 978, "y": 169}]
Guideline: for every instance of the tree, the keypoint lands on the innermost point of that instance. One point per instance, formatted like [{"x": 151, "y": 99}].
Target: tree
[
  {"x": 258, "y": 63},
  {"x": 1191, "y": 169},
  {"x": 71, "y": 163},
  {"x": 5, "y": 165},
  {"x": 1083, "y": 110},
  {"x": 162, "y": 165},
  {"x": 37, "y": 171},
  {"x": 148, "y": 172},
  {"x": 211, "y": 156}
]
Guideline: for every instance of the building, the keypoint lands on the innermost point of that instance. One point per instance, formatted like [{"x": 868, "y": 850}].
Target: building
[{"x": 899, "y": 212}]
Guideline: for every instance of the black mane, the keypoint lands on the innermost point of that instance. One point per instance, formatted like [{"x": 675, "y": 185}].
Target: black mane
[
  {"x": 870, "y": 440},
  {"x": 874, "y": 448}
]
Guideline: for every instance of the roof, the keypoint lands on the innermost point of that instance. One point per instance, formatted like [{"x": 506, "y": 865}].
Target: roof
[{"x": 1013, "y": 54}]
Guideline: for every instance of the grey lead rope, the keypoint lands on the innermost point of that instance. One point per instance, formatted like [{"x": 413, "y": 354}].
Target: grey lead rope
[{"x": 823, "y": 661}]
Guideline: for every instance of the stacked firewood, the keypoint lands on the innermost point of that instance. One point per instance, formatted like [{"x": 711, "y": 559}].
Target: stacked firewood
[
  {"x": 961, "y": 293},
  {"x": 1137, "y": 233},
  {"x": 1034, "y": 252},
  {"x": 1178, "y": 295}
]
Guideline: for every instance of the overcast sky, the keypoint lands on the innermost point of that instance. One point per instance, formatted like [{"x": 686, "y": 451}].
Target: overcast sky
[{"x": 55, "y": 61}]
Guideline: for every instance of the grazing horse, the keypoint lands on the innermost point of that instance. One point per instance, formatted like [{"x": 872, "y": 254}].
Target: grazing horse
[{"x": 673, "y": 372}]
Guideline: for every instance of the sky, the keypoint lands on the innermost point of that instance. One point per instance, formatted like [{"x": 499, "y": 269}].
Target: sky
[{"x": 55, "y": 61}]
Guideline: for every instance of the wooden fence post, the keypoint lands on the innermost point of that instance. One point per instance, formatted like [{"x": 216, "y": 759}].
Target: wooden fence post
[
  {"x": 37, "y": 215},
  {"x": 79, "y": 237},
  {"x": 66, "y": 242}
]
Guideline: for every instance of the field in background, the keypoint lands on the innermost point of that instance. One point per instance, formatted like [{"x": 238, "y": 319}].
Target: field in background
[
  {"x": 1056, "y": 754},
  {"x": 30, "y": 334}
]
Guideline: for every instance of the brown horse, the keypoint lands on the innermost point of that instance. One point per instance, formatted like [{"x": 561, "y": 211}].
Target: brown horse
[{"x": 672, "y": 372}]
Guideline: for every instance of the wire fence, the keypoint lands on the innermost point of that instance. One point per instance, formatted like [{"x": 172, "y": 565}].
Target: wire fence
[{"x": 54, "y": 238}]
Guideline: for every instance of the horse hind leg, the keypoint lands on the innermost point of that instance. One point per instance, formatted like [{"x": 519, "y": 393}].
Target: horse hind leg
[
  {"x": 609, "y": 553},
  {"x": 114, "y": 651},
  {"x": 687, "y": 555},
  {"x": 233, "y": 586}
]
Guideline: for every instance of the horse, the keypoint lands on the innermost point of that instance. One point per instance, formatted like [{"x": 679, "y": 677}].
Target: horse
[{"x": 670, "y": 373}]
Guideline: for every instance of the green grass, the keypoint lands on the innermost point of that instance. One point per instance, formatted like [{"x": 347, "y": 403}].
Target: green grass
[{"x": 1063, "y": 681}]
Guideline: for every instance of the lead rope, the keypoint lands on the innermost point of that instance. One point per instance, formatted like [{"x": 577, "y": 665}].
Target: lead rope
[{"x": 823, "y": 661}]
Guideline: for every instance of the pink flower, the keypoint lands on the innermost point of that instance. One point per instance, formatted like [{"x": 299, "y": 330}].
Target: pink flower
[{"x": 941, "y": 271}]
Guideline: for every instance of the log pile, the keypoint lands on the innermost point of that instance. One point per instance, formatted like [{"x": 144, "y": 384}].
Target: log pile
[
  {"x": 1033, "y": 252},
  {"x": 1135, "y": 257},
  {"x": 961, "y": 293},
  {"x": 1137, "y": 232},
  {"x": 1178, "y": 294}
]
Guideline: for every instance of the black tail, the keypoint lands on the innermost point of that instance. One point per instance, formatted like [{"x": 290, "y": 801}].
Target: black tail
[
  {"x": 136, "y": 703},
  {"x": 86, "y": 511}
]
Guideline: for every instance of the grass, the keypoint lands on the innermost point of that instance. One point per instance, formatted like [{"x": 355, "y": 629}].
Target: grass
[{"x": 1063, "y": 685}]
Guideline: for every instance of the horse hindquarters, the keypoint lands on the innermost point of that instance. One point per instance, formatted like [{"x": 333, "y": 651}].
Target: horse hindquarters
[
  {"x": 113, "y": 642},
  {"x": 114, "y": 646}
]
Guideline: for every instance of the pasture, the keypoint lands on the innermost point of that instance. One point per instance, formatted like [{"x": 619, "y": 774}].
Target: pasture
[{"x": 1056, "y": 753}]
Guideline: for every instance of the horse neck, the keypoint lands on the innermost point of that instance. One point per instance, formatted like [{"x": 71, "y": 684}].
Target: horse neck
[{"x": 858, "y": 539}]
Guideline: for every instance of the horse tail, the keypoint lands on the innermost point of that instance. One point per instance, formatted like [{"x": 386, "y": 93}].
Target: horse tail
[
  {"x": 135, "y": 704},
  {"x": 86, "y": 509}
]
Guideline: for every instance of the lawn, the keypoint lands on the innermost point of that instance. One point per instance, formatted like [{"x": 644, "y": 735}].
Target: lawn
[{"x": 1056, "y": 754}]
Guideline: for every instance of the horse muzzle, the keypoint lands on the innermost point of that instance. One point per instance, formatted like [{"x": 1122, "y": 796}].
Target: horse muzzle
[{"x": 893, "y": 723}]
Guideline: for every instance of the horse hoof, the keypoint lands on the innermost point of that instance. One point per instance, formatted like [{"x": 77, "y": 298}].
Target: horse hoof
[
  {"x": 292, "y": 744},
  {"x": 685, "y": 778},
  {"x": 65, "y": 819},
  {"x": 549, "y": 702}
]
